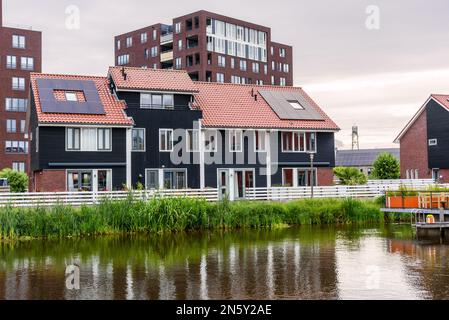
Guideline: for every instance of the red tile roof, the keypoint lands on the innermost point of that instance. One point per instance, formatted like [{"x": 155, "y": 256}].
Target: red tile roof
[
  {"x": 233, "y": 106},
  {"x": 152, "y": 79},
  {"x": 114, "y": 109}
]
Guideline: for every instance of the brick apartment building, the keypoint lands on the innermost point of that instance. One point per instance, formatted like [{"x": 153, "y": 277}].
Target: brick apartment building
[
  {"x": 425, "y": 142},
  {"x": 20, "y": 54},
  {"x": 211, "y": 47}
]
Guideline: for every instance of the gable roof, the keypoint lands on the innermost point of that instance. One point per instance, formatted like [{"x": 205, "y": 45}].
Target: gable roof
[
  {"x": 362, "y": 158},
  {"x": 226, "y": 105},
  {"x": 441, "y": 99},
  {"x": 152, "y": 79},
  {"x": 113, "y": 109}
]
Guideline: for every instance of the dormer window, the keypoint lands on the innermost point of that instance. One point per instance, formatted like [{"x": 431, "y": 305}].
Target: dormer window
[
  {"x": 71, "y": 96},
  {"x": 296, "y": 105}
]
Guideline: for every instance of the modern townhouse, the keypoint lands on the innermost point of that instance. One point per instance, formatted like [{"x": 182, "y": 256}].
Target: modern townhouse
[
  {"x": 184, "y": 134},
  {"x": 424, "y": 141}
]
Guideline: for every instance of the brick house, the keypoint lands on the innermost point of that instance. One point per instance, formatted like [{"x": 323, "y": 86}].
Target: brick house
[{"x": 424, "y": 142}]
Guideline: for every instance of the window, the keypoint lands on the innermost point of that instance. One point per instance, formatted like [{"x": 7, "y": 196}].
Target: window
[
  {"x": 236, "y": 79},
  {"x": 154, "y": 34},
  {"x": 282, "y": 52},
  {"x": 265, "y": 69},
  {"x": 298, "y": 142},
  {"x": 166, "y": 140},
  {"x": 243, "y": 65},
  {"x": 296, "y": 105},
  {"x": 73, "y": 139},
  {"x": 18, "y": 166},
  {"x": 416, "y": 174},
  {"x": 22, "y": 126},
  {"x": 18, "y": 84},
  {"x": 220, "y": 78},
  {"x": 178, "y": 63},
  {"x": 11, "y": 126},
  {"x": 259, "y": 141},
  {"x": 71, "y": 96},
  {"x": 152, "y": 179},
  {"x": 221, "y": 61},
  {"x": 104, "y": 139},
  {"x": 299, "y": 177},
  {"x": 179, "y": 45},
  {"x": 88, "y": 139},
  {"x": 143, "y": 37},
  {"x": 37, "y": 139},
  {"x": 11, "y": 62},
  {"x": 156, "y": 101},
  {"x": 273, "y": 80},
  {"x": 16, "y": 105},
  {"x": 175, "y": 179},
  {"x": 178, "y": 27},
  {"x": 273, "y": 65},
  {"x": 16, "y": 146},
  {"x": 193, "y": 141},
  {"x": 433, "y": 142},
  {"x": 154, "y": 51},
  {"x": 155, "y": 65},
  {"x": 27, "y": 63},
  {"x": 286, "y": 68},
  {"x": 138, "y": 140},
  {"x": 232, "y": 63},
  {"x": 123, "y": 59},
  {"x": 168, "y": 101},
  {"x": 255, "y": 67},
  {"x": 236, "y": 141},
  {"x": 119, "y": 44},
  {"x": 18, "y": 42},
  {"x": 282, "y": 82},
  {"x": 259, "y": 82},
  {"x": 129, "y": 42},
  {"x": 210, "y": 141}
]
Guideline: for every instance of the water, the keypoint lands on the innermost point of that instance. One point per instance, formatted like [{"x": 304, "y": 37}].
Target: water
[{"x": 295, "y": 263}]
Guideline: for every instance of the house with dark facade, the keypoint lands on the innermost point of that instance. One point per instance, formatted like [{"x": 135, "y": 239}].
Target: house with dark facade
[
  {"x": 169, "y": 132},
  {"x": 424, "y": 141},
  {"x": 211, "y": 47}
]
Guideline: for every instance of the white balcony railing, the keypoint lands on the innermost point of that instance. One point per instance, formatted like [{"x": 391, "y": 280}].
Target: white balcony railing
[
  {"x": 166, "y": 56},
  {"x": 167, "y": 38}
]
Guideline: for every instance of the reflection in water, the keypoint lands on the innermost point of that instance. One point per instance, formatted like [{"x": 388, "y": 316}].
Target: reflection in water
[{"x": 296, "y": 263}]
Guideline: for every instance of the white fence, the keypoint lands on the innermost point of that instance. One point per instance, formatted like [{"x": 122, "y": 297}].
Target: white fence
[
  {"x": 408, "y": 182},
  {"x": 370, "y": 190}
]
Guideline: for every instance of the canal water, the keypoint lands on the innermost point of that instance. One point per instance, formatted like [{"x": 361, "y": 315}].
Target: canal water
[{"x": 296, "y": 263}]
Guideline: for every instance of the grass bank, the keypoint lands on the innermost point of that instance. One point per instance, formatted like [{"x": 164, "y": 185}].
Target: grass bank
[{"x": 178, "y": 215}]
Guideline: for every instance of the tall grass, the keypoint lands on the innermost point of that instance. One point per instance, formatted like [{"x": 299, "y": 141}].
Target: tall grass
[{"x": 178, "y": 215}]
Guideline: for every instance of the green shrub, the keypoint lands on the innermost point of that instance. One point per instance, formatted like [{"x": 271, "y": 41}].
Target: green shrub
[
  {"x": 17, "y": 181},
  {"x": 387, "y": 167},
  {"x": 350, "y": 176}
]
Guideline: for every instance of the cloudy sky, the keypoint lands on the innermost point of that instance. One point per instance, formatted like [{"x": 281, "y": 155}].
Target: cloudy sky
[{"x": 375, "y": 78}]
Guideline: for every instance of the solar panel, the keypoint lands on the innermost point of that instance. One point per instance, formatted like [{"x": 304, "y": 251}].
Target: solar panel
[
  {"x": 49, "y": 104},
  {"x": 282, "y": 104}
]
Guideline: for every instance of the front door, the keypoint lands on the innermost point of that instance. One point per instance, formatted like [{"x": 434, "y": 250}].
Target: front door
[
  {"x": 223, "y": 184},
  {"x": 89, "y": 180},
  {"x": 436, "y": 174}
]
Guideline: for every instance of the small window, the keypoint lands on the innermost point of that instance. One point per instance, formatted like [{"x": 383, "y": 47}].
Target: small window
[
  {"x": 236, "y": 140},
  {"x": 138, "y": 139},
  {"x": 433, "y": 142},
  {"x": 296, "y": 105},
  {"x": 71, "y": 96},
  {"x": 166, "y": 140},
  {"x": 193, "y": 141},
  {"x": 104, "y": 139},
  {"x": 210, "y": 141}
]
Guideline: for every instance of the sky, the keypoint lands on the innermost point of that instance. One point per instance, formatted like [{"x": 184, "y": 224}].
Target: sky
[{"x": 366, "y": 63}]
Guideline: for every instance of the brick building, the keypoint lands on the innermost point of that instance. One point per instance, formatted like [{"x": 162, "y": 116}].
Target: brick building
[
  {"x": 211, "y": 47},
  {"x": 425, "y": 142},
  {"x": 20, "y": 54}
]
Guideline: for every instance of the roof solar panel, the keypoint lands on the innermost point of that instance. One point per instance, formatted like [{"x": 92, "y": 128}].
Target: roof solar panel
[
  {"x": 49, "y": 104},
  {"x": 280, "y": 102}
]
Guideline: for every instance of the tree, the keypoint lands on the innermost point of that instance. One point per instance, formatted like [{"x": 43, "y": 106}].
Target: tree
[
  {"x": 17, "y": 181},
  {"x": 386, "y": 167},
  {"x": 350, "y": 176}
]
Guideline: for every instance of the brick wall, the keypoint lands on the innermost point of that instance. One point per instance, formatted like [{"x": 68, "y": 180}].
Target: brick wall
[
  {"x": 414, "y": 155},
  {"x": 325, "y": 176},
  {"x": 49, "y": 181}
]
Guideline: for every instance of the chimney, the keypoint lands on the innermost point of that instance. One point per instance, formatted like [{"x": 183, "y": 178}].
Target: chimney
[{"x": 124, "y": 74}]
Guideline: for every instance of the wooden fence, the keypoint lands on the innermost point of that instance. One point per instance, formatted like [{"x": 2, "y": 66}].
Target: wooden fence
[{"x": 370, "y": 190}]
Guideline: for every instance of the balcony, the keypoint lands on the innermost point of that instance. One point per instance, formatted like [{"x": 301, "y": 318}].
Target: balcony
[
  {"x": 167, "y": 38},
  {"x": 166, "y": 56}
]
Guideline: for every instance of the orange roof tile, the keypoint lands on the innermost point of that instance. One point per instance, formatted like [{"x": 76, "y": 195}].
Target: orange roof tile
[
  {"x": 233, "y": 106},
  {"x": 114, "y": 109},
  {"x": 152, "y": 79}
]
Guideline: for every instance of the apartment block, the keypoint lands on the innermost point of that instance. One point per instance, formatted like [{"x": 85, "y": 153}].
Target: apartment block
[
  {"x": 211, "y": 48},
  {"x": 20, "y": 54}
]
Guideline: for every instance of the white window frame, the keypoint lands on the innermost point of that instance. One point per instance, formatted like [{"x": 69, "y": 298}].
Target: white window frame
[
  {"x": 262, "y": 135},
  {"x": 295, "y": 176},
  {"x": 168, "y": 142},
  {"x": 11, "y": 62},
  {"x": 18, "y": 84},
  {"x": 433, "y": 142},
  {"x": 18, "y": 166},
  {"x": 210, "y": 147},
  {"x": 129, "y": 42},
  {"x": 82, "y": 145},
  {"x": 71, "y": 96},
  {"x": 306, "y": 144},
  {"x": 109, "y": 133},
  {"x": 10, "y": 128},
  {"x": 237, "y": 134},
  {"x": 144, "y": 37},
  {"x": 196, "y": 146},
  {"x": 178, "y": 27},
  {"x": 18, "y": 42},
  {"x": 144, "y": 140},
  {"x": 27, "y": 63}
]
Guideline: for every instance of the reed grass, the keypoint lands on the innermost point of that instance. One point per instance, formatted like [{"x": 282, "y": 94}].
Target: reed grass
[{"x": 179, "y": 215}]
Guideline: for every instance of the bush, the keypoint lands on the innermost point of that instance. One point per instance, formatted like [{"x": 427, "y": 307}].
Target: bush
[
  {"x": 386, "y": 167},
  {"x": 350, "y": 176},
  {"x": 403, "y": 191},
  {"x": 17, "y": 181}
]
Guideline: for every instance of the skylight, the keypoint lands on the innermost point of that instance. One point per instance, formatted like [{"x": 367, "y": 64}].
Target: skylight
[
  {"x": 71, "y": 96},
  {"x": 296, "y": 105}
]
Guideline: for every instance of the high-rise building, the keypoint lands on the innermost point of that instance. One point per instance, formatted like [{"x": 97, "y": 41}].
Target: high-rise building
[
  {"x": 20, "y": 54},
  {"x": 210, "y": 47}
]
